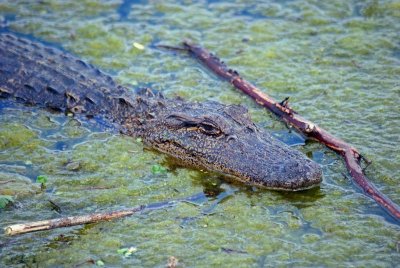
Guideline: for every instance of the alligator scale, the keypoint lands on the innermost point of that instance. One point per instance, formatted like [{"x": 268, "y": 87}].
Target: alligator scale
[{"x": 209, "y": 135}]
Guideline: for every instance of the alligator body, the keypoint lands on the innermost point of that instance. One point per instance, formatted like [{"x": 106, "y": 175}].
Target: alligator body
[{"x": 209, "y": 135}]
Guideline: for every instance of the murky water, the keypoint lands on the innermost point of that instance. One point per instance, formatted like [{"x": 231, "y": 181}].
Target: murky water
[{"x": 339, "y": 61}]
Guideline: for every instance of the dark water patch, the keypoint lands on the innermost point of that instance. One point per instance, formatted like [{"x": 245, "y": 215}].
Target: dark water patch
[
  {"x": 289, "y": 137},
  {"x": 6, "y": 104},
  {"x": 324, "y": 158},
  {"x": 21, "y": 167},
  {"x": 61, "y": 146},
  {"x": 396, "y": 53},
  {"x": 251, "y": 13},
  {"x": 5, "y": 20},
  {"x": 357, "y": 10},
  {"x": 125, "y": 8},
  {"x": 197, "y": 199}
]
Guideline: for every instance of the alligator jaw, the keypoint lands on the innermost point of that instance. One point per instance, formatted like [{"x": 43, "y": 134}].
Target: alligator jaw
[{"x": 296, "y": 173}]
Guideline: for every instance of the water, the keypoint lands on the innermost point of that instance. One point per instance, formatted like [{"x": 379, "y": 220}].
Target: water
[{"x": 337, "y": 60}]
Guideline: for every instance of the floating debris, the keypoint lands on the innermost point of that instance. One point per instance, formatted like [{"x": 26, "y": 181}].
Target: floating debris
[{"x": 138, "y": 45}]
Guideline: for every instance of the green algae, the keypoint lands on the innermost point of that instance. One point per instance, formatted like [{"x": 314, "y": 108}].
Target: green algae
[
  {"x": 338, "y": 62},
  {"x": 14, "y": 135},
  {"x": 17, "y": 185}
]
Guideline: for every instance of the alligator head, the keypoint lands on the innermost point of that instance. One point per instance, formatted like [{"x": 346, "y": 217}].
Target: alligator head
[{"x": 223, "y": 139}]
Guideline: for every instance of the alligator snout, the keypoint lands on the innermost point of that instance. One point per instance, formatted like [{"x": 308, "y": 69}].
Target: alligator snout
[
  {"x": 269, "y": 163},
  {"x": 291, "y": 175}
]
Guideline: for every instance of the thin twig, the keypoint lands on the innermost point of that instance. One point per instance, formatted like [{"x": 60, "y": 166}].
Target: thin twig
[{"x": 68, "y": 221}]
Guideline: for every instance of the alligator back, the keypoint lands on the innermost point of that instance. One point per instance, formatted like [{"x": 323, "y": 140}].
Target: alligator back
[{"x": 44, "y": 76}]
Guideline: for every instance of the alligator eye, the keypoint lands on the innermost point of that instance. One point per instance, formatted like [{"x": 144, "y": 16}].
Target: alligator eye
[
  {"x": 209, "y": 128},
  {"x": 204, "y": 125}
]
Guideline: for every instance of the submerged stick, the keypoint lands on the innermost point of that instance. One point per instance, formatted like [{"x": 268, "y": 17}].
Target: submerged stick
[{"x": 350, "y": 154}]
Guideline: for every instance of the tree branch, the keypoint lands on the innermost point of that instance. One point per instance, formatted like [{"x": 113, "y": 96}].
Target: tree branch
[{"x": 350, "y": 154}]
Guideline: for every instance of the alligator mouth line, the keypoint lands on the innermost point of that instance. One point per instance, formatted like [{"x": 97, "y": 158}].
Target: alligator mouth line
[{"x": 233, "y": 178}]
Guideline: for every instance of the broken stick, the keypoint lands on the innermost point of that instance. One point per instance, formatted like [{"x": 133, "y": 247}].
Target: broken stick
[
  {"x": 68, "y": 221},
  {"x": 350, "y": 154}
]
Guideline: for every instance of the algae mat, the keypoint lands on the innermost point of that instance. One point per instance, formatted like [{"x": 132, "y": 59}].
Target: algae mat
[{"x": 339, "y": 61}]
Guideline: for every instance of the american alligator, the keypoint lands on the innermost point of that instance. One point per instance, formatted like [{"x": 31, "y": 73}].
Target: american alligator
[{"x": 209, "y": 135}]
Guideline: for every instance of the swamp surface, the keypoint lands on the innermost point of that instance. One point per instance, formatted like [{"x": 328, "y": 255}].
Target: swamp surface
[{"x": 339, "y": 61}]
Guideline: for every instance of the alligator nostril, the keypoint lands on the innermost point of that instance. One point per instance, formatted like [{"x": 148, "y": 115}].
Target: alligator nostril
[{"x": 231, "y": 138}]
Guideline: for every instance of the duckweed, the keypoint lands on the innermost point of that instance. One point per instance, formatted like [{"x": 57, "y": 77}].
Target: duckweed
[{"x": 336, "y": 60}]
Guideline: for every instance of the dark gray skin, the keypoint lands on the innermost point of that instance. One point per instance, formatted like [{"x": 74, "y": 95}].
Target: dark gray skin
[{"x": 209, "y": 135}]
